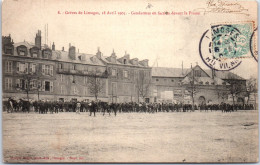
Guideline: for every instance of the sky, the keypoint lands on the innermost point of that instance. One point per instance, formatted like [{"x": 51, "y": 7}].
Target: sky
[{"x": 166, "y": 40}]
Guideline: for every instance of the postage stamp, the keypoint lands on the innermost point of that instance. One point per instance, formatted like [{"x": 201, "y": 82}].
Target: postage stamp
[{"x": 223, "y": 46}]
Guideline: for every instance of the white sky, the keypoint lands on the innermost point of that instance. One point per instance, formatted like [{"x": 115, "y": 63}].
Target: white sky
[{"x": 171, "y": 39}]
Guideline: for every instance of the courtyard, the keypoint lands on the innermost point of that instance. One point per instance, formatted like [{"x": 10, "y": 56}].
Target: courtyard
[{"x": 131, "y": 137}]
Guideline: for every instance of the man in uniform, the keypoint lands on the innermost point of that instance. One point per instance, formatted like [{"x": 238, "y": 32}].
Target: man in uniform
[{"x": 78, "y": 107}]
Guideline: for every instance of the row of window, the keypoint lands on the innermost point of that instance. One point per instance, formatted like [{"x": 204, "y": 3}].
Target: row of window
[
  {"x": 23, "y": 67},
  {"x": 34, "y": 52},
  {"x": 212, "y": 83},
  {"x": 22, "y": 84},
  {"x": 79, "y": 67},
  {"x": 201, "y": 82},
  {"x": 47, "y": 70},
  {"x": 125, "y": 88},
  {"x": 33, "y": 85},
  {"x": 73, "y": 79},
  {"x": 166, "y": 80},
  {"x": 30, "y": 85},
  {"x": 74, "y": 90},
  {"x": 126, "y": 73}
]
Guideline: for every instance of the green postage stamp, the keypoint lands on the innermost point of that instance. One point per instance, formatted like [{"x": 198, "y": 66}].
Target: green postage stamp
[{"x": 231, "y": 40}]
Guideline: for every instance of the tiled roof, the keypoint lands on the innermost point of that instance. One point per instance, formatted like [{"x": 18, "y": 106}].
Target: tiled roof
[
  {"x": 177, "y": 72},
  {"x": 224, "y": 74},
  {"x": 25, "y": 43},
  {"x": 106, "y": 60},
  {"x": 204, "y": 80},
  {"x": 64, "y": 56},
  {"x": 169, "y": 72}
]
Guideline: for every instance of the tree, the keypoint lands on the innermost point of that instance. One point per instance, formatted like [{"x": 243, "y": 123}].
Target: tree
[
  {"x": 251, "y": 86},
  {"x": 234, "y": 89},
  {"x": 223, "y": 95},
  {"x": 95, "y": 84},
  {"x": 222, "y": 92},
  {"x": 190, "y": 82},
  {"x": 143, "y": 84},
  {"x": 29, "y": 83}
]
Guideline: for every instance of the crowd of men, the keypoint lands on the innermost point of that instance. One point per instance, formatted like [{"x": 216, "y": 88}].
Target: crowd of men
[{"x": 43, "y": 107}]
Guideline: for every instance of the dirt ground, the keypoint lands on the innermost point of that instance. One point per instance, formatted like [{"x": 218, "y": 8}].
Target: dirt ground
[{"x": 131, "y": 137}]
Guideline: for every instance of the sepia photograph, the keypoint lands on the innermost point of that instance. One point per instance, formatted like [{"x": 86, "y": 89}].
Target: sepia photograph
[{"x": 142, "y": 81}]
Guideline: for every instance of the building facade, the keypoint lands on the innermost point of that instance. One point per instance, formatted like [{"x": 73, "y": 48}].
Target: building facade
[
  {"x": 181, "y": 85},
  {"x": 129, "y": 79},
  {"x": 35, "y": 71},
  {"x": 27, "y": 70}
]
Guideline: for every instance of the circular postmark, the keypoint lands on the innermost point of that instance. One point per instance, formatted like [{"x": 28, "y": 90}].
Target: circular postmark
[
  {"x": 253, "y": 44},
  {"x": 222, "y": 47}
]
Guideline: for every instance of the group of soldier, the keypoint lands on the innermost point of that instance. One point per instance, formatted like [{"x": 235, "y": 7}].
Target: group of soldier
[{"x": 92, "y": 107}]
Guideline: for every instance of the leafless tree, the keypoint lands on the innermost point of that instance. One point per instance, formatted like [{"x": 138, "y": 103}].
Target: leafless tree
[
  {"x": 95, "y": 84},
  {"x": 222, "y": 95},
  {"x": 191, "y": 86},
  {"x": 235, "y": 89},
  {"x": 251, "y": 85},
  {"x": 143, "y": 84},
  {"x": 222, "y": 91},
  {"x": 27, "y": 84}
]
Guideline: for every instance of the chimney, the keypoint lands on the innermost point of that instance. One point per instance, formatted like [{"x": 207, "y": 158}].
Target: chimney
[
  {"x": 38, "y": 39},
  {"x": 127, "y": 55},
  {"x": 83, "y": 57},
  {"x": 69, "y": 45},
  {"x": 113, "y": 53},
  {"x": 7, "y": 40},
  {"x": 53, "y": 46},
  {"x": 135, "y": 61},
  {"x": 98, "y": 54},
  {"x": 63, "y": 48},
  {"x": 113, "y": 57},
  {"x": 72, "y": 52},
  {"x": 144, "y": 62}
]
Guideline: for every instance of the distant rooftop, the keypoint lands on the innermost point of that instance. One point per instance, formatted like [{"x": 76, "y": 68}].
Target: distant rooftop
[
  {"x": 179, "y": 72},
  {"x": 84, "y": 58}
]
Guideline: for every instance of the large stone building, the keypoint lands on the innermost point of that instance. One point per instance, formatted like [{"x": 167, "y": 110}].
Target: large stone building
[
  {"x": 129, "y": 79},
  {"x": 35, "y": 71},
  {"x": 206, "y": 86},
  {"x": 27, "y": 68}
]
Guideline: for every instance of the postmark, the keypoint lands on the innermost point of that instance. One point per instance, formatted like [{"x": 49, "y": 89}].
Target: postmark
[
  {"x": 224, "y": 46},
  {"x": 253, "y": 44}
]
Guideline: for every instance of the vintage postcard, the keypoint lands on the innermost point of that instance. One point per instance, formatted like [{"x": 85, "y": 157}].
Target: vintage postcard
[{"x": 142, "y": 81}]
